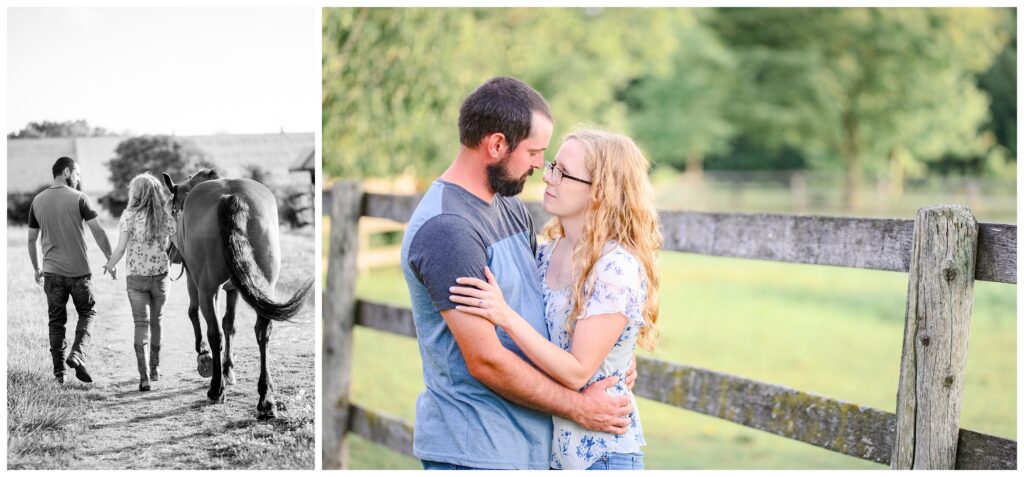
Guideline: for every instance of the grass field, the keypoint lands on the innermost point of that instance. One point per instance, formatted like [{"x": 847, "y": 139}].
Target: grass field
[
  {"x": 110, "y": 425},
  {"x": 832, "y": 331}
]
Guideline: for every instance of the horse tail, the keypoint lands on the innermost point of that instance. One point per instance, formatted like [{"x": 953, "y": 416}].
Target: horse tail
[{"x": 232, "y": 215}]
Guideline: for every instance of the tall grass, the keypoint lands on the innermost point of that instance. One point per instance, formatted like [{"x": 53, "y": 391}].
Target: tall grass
[
  {"x": 42, "y": 420},
  {"x": 42, "y": 416}
]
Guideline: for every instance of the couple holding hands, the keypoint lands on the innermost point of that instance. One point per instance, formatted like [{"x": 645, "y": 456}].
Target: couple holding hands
[{"x": 56, "y": 218}]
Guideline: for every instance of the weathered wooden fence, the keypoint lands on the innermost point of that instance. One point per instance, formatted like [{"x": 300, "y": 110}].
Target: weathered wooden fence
[{"x": 944, "y": 250}]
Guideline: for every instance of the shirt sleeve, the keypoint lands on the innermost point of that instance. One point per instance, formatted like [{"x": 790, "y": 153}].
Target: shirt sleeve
[
  {"x": 446, "y": 247},
  {"x": 32, "y": 222},
  {"x": 86, "y": 208},
  {"x": 172, "y": 225},
  {"x": 618, "y": 287},
  {"x": 122, "y": 223}
]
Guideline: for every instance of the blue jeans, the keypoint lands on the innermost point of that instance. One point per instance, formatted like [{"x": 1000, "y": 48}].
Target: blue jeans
[
  {"x": 432, "y": 465},
  {"x": 617, "y": 461},
  {"x": 58, "y": 289}
]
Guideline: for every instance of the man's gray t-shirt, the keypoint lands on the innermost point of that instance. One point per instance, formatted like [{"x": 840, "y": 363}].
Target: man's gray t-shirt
[
  {"x": 59, "y": 213},
  {"x": 454, "y": 233}
]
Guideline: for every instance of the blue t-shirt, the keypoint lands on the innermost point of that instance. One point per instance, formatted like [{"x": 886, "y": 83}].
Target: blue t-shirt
[{"x": 452, "y": 234}]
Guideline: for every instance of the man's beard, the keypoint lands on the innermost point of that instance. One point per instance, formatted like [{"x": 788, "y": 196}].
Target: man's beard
[
  {"x": 74, "y": 185},
  {"x": 501, "y": 183}
]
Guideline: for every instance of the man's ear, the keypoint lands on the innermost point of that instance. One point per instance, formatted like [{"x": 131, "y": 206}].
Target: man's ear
[{"x": 496, "y": 145}]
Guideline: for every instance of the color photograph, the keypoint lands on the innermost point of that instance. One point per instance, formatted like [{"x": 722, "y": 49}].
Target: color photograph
[{"x": 669, "y": 238}]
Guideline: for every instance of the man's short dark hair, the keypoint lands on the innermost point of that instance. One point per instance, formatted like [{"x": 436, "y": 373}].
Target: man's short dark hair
[
  {"x": 61, "y": 164},
  {"x": 501, "y": 105}
]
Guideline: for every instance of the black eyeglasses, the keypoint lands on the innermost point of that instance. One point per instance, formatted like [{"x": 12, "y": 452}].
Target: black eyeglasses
[{"x": 557, "y": 175}]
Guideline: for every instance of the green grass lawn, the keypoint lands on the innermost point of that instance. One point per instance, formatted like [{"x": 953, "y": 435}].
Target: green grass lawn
[{"x": 832, "y": 331}]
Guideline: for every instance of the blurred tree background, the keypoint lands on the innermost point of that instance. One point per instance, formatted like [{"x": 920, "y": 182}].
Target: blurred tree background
[
  {"x": 155, "y": 154},
  {"x": 835, "y": 111},
  {"x": 393, "y": 78},
  {"x": 76, "y": 128},
  {"x": 888, "y": 94}
]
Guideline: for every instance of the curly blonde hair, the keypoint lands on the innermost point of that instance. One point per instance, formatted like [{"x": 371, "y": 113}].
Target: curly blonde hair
[
  {"x": 622, "y": 209},
  {"x": 146, "y": 196}
]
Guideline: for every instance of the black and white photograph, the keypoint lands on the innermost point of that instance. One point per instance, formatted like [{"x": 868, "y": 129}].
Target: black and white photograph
[{"x": 161, "y": 240}]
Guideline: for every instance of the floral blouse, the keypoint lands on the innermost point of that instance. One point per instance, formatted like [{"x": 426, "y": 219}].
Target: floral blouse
[
  {"x": 145, "y": 257},
  {"x": 619, "y": 286}
]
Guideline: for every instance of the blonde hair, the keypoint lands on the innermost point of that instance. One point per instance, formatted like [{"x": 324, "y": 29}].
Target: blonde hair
[
  {"x": 622, "y": 209},
  {"x": 145, "y": 195}
]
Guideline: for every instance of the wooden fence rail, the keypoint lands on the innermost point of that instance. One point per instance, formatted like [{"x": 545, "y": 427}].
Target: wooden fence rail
[
  {"x": 952, "y": 251},
  {"x": 877, "y": 244}
]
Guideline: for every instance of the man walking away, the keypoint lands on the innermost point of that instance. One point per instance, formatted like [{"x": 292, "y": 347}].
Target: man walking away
[{"x": 56, "y": 216}]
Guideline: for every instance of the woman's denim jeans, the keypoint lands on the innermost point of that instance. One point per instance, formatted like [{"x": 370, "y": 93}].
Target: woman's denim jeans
[
  {"x": 146, "y": 291},
  {"x": 616, "y": 461}
]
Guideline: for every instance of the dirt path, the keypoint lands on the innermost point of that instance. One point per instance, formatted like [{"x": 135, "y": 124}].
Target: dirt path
[{"x": 173, "y": 426}]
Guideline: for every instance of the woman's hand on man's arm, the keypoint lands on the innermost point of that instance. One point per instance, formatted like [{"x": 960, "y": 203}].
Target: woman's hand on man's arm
[{"x": 514, "y": 379}]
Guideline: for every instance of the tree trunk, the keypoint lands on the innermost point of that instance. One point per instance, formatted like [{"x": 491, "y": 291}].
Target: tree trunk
[
  {"x": 895, "y": 175},
  {"x": 850, "y": 150},
  {"x": 695, "y": 168}
]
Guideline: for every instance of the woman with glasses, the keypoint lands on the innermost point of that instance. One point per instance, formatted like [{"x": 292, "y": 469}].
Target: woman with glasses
[{"x": 600, "y": 286}]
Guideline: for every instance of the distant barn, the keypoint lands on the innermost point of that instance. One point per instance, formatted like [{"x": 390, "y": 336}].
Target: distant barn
[
  {"x": 305, "y": 163},
  {"x": 301, "y": 201}
]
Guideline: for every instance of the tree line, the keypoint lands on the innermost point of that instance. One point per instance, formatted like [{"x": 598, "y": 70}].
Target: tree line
[{"x": 900, "y": 92}]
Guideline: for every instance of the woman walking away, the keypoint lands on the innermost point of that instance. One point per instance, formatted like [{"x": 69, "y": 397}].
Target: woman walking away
[{"x": 144, "y": 230}]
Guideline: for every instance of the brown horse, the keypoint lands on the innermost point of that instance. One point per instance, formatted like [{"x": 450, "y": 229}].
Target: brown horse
[{"x": 228, "y": 237}]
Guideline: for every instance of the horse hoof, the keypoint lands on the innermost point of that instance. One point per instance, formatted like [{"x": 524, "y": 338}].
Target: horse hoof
[
  {"x": 266, "y": 413},
  {"x": 215, "y": 398},
  {"x": 205, "y": 364},
  {"x": 229, "y": 378}
]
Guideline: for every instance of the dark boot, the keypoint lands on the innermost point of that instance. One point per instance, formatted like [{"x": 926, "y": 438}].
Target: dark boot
[
  {"x": 80, "y": 372},
  {"x": 154, "y": 363},
  {"x": 143, "y": 364},
  {"x": 58, "y": 363}
]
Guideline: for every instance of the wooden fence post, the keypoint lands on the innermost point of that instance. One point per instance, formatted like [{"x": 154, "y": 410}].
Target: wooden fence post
[
  {"x": 339, "y": 319},
  {"x": 940, "y": 293}
]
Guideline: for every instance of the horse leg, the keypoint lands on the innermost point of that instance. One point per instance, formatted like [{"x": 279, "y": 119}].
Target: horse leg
[
  {"x": 204, "y": 363},
  {"x": 208, "y": 305},
  {"x": 229, "y": 333},
  {"x": 266, "y": 408}
]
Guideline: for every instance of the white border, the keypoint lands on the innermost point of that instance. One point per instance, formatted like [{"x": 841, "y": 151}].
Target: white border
[{"x": 318, "y": 227}]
